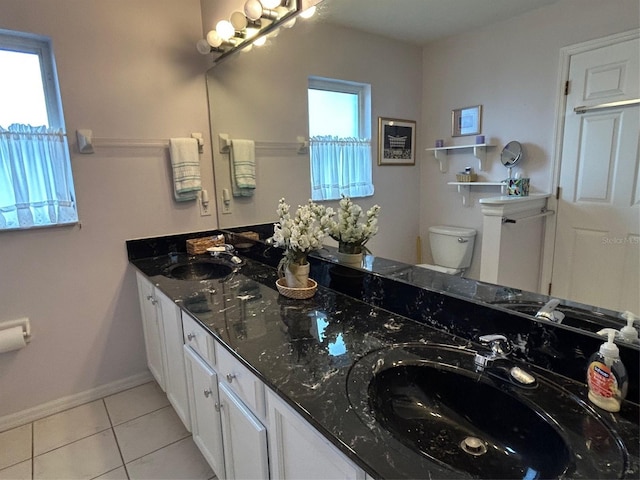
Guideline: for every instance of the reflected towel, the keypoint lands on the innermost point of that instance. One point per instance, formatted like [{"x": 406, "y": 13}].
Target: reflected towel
[
  {"x": 185, "y": 163},
  {"x": 243, "y": 163}
]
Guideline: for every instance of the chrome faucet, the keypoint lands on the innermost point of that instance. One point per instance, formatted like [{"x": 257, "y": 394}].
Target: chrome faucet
[
  {"x": 549, "y": 312},
  {"x": 499, "y": 347}
]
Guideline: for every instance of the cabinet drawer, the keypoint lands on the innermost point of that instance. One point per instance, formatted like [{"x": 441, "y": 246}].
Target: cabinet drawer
[
  {"x": 241, "y": 381},
  {"x": 198, "y": 339}
]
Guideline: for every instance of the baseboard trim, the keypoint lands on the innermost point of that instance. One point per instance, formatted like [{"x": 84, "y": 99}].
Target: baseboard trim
[{"x": 44, "y": 410}]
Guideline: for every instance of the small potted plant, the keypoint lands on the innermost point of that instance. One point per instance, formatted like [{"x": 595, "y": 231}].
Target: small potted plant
[
  {"x": 350, "y": 232},
  {"x": 299, "y": 235}
]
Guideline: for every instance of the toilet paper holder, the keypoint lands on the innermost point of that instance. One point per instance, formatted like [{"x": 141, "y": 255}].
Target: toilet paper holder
[{"x": 19, "y": 322}]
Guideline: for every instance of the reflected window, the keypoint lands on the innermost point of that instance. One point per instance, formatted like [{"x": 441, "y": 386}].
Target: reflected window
[
  {"x": 340, "y": 132},
  {"x": 36, "y": 184}
]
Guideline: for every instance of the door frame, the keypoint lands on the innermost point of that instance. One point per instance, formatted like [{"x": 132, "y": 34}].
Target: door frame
[{"x": 561, "y": 104}]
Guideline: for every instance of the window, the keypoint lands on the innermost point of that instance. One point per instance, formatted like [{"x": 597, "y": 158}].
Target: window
[
  {"x": 340, "y": 131},
  {"x": 36, "y": 184}
]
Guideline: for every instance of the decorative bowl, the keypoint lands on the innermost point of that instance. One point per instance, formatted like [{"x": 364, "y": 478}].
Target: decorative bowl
[{"x": 297, "y": 293}]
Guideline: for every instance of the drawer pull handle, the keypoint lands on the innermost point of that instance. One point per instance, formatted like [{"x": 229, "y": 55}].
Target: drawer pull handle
[
  {"x": 217, "y": 406},
  {"x": 191, "y": 336},
  {"x": 207, "y": 393},
  {"x": 230, "y": 377}
]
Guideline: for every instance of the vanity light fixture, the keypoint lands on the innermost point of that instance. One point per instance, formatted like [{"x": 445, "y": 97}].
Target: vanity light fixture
[{"x": 252, "y": 25}]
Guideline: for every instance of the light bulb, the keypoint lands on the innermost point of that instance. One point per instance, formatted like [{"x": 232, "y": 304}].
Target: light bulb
[
  {"x": 214, "y": 39},
  {"x": 270, "y": 4},
  {"x": 238, "y": 20},
  {"x": 260, "y": 41},
  {"x": 203, "y": 47},
  {"x": 253, "y": 9},
  {"x": 309, "y": 12},
  {"x": 225, "y": 29}
]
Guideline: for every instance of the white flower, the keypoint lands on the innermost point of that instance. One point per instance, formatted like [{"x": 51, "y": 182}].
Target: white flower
[
  {"x": 304, "y": 232},
  {"x": 348, "y": 228}
]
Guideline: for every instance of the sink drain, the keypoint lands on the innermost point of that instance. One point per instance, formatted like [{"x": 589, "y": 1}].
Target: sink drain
[{"x": 473, "y": 446}]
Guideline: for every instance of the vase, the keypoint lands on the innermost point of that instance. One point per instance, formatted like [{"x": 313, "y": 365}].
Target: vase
[
  {"x": 350, "y": 254},
  {"x": 350, "y": 259},
  {"x": 297, "y": 275}
]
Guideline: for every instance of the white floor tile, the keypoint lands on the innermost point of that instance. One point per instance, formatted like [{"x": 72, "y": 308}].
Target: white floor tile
[
  {"x": 145, "y": 434},
  {"x": 180, "y": 460},
  {"x": 15, "y": 446},
  {"x": 118, "y": 474},
  {"x": 84, "y": 459},
  {"x": 21, "y": 471},
  {"x": 69, "y": 426},
  {"x": 132, "y": 403}
]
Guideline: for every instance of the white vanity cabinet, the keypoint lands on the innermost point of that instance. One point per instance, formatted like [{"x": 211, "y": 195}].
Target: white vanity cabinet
[
  {"x": 163, "y": 341},
  {"x": 297, "y": 450},
  {"x": 244, "y": 437},
  {"x": 153, "y": 341},
  {"x": 206, "y": 426},
  {"x": 227, "y": 407}
]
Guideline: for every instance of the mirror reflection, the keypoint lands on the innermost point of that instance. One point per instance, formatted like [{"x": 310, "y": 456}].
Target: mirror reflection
[{"x": 510, "y": 64}]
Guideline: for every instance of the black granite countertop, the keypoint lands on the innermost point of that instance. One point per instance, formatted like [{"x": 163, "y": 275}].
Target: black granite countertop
[{"x": 305, "y": 350}]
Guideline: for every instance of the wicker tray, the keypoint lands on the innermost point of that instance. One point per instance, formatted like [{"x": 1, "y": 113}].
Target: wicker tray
[
  {"x": 466, "y": 177},
  {"x": 195, "y": 246},
  {"x": 297, "y": 293}
]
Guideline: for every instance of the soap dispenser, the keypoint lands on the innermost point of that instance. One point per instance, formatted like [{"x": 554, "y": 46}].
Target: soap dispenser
[
  {"x": 629, "y": 333},
  {"x": 606, "y": 375}
]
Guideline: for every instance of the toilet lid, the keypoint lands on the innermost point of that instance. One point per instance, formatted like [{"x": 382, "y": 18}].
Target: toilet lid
[{"x": 453, "y": 231}]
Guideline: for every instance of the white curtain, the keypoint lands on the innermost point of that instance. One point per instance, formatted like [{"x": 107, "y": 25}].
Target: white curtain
[
  {"x": 340, "y": 166},
  {"x": 36, "y": 185}
]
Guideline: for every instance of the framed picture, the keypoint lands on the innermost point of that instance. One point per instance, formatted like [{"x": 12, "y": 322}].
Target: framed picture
[
  {"x": 466, "y": 121},
  {"x": 396, "y": 141}
]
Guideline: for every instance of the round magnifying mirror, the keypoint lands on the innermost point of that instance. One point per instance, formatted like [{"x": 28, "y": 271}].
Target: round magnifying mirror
[{"x": 511, "y": 154}]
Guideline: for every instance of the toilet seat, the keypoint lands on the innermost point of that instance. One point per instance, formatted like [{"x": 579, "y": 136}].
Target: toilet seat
[{"x": 438, "y": 268}]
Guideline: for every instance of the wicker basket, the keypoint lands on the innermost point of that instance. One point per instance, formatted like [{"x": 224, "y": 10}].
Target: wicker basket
[
  {"x": 466, "y": 177},
  {"x": 297, "y": 293},
  {"x": 196, "y": 246}
]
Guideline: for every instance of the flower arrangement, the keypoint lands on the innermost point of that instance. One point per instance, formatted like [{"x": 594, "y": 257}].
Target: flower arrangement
[
  {"x": 302, "y": 233},
  {"x": 350, "y": 233}
]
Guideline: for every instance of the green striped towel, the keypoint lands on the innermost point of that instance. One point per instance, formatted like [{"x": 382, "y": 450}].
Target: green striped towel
[
  {"x": 243, "y": 160},
  {"x": 185, "y": 164}
]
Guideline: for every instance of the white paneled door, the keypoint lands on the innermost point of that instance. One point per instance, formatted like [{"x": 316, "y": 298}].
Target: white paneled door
[{"x": 597, "y": 246}]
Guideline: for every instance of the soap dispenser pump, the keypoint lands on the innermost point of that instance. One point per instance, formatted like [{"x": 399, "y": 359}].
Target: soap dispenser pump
[
  {"x": 628, "y": 332},
  {"x": 606, "y": 375}
]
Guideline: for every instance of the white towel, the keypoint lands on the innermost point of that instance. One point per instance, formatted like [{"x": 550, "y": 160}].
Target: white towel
[
  {"x": 185, "y": 163},
  {"x": 243, "y": 162}
]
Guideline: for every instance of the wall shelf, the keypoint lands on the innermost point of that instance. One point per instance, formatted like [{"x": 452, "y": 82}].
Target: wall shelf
[
  {"x": 465, "y": 187},
  {"x": 479, "y": 151}
]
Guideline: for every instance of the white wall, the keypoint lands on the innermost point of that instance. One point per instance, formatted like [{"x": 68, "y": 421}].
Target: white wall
[
  {"x": 262, "y": 95},
  {"x": 127, "y": 70},
  {"x": 510, "y": 68}
]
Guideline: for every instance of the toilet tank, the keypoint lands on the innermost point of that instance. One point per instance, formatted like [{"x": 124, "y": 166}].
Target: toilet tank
[{"x": 452, "y": 246}]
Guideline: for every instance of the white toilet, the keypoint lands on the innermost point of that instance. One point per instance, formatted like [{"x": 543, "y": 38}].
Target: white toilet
[{"x": 451, "y": 248}]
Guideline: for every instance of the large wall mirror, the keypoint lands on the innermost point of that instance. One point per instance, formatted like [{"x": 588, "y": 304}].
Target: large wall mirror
[{"x": 503, "y": 54}]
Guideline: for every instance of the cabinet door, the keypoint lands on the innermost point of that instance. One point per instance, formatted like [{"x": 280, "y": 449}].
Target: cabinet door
[
  {"x": 175, "y": 378},
  {"x": 297, "y": 450},
  {"x": 153, "y": 335},
  {"x": 204, "y": 406},
  {"x": 245, "y": 439}
]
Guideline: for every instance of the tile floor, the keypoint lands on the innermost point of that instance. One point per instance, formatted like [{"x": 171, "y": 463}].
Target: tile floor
[{"x": 133, "y": 434}]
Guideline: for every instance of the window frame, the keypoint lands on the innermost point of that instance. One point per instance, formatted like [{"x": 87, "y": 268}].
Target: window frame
[
  {"x": 39, "y": 45},
  {"x": 361, "y": 90},
  {"x": 42, "y": 46}
]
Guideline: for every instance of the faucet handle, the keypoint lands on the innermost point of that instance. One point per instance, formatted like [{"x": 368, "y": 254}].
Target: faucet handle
[{"x": 499, "y": 344}]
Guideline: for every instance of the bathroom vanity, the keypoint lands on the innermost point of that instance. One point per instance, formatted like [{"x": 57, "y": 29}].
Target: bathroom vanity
[{"x": 308, "y": 383}]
